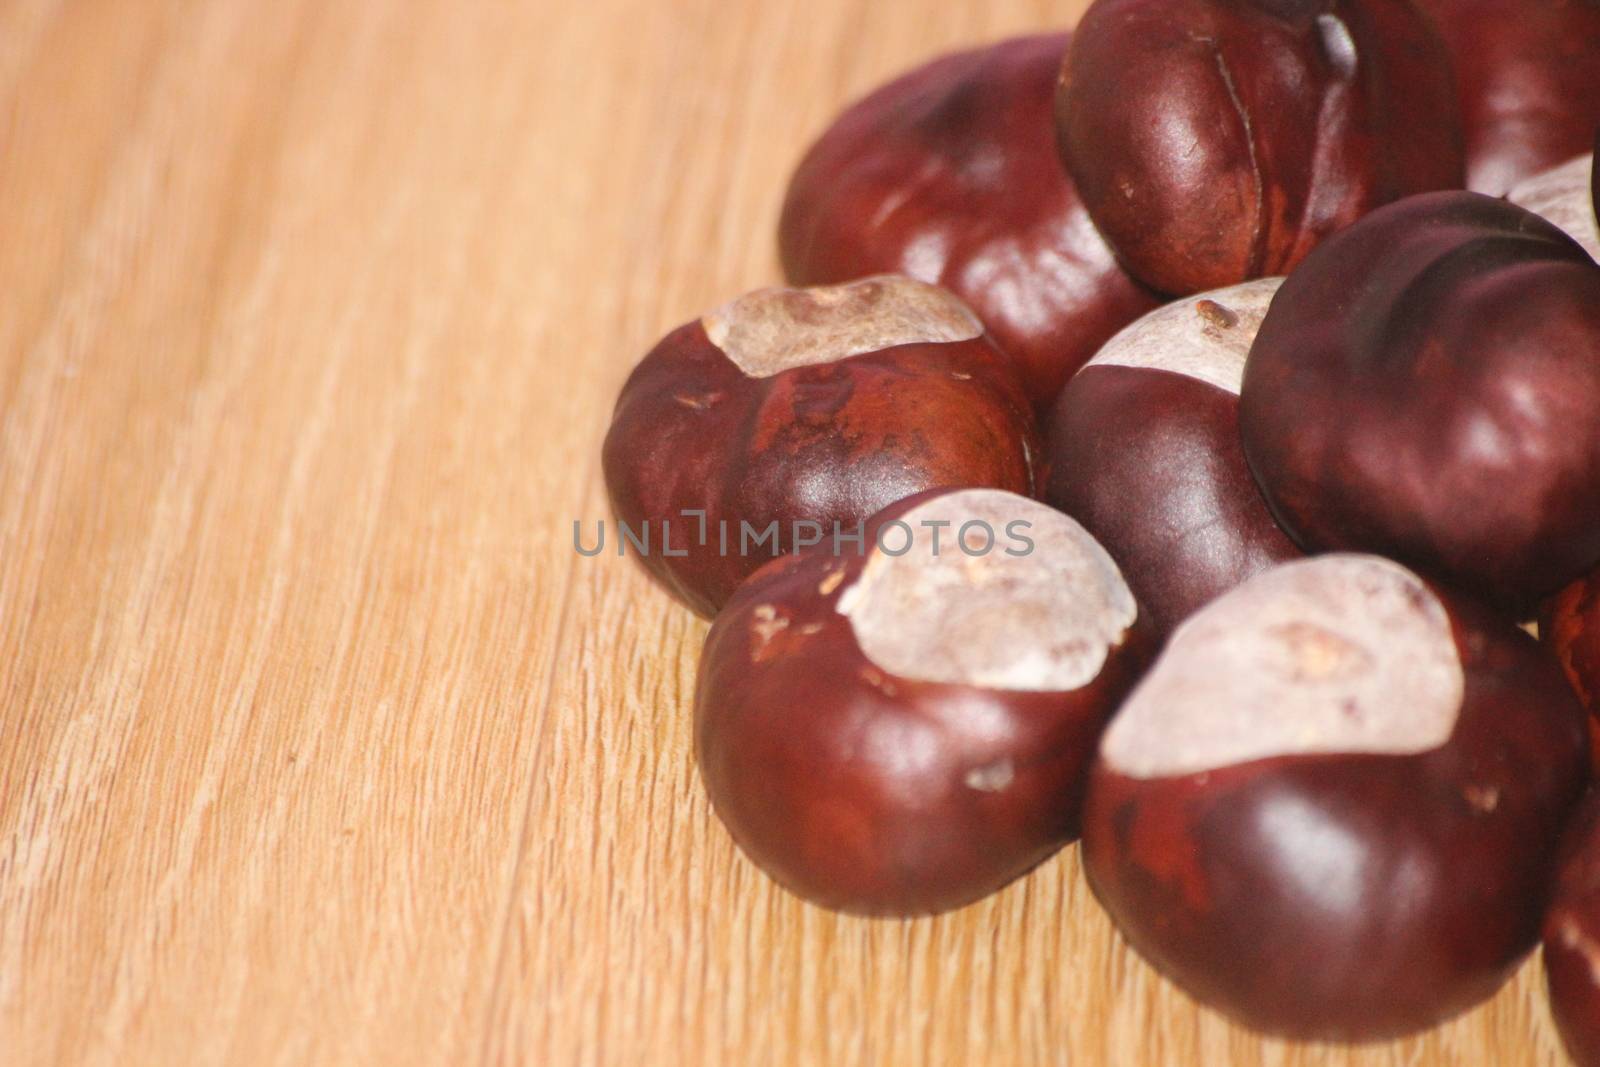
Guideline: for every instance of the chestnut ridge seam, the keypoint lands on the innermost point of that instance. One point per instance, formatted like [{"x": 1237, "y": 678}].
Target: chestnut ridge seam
[
  {"x": 805, "y": 534},
  {"x": 1257, "y": 263}
]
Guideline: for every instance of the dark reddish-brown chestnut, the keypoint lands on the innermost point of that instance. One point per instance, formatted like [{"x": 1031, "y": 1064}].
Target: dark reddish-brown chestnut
[
  {"x": 905, "y": 731},
  {"x": 788, "y": 413},
  {"x": 949, "y": 174},
  {"x": 1214, "y": 141},
  {"x": 1331, "y": 810},
  {"x": 1144, "y": 451},
  {"x": 1572, "y": 937},
  {"x": 1528, "y": 73},
  {"x": 1425, "y": 387},
  {"x": 1566, "y": 195}
]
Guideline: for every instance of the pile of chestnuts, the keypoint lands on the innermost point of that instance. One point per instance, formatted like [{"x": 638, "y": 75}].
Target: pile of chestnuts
[{"x": 1173, "y": 436}]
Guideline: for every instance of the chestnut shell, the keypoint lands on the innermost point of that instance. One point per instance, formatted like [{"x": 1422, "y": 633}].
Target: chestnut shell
[
  {"x": 1214, "y": 141},
  {"x": 1424, "y": 387},
  {"x": 849, "y": 785},
  {"x": 949, "y": 174},
  {"x": 828, "y": 443},
  {"x": 1149, "y": 461},
  {"x": 1529, "y": 80},
  {"x": 1210, "y": 877},
  {"x": 1572, "y": 937}
]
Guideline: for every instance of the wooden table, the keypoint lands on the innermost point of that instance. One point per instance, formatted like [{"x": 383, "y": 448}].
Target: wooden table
[{"x": 318, "y": 744}]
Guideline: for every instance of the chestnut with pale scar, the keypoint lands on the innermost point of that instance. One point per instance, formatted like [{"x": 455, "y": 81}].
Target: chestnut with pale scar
[
  {"x": 1043, "y": 620},
  {"x": 1206, "y": 337},
  {"x": 1351, "y": 655},
  {"x": 773, "y": 330},
  {"x": 1144, "y": 451},
  {"x": 1365, "y": 775},
  {"x": 906, "y": 731},
  {"x": 811, "y": 408}
]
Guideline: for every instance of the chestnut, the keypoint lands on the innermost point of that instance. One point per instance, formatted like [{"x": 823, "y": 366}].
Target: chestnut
[
  {"x": 906, "y": 730},
  {"x": 1215, "y": 141},
  {"x": 1144, "y": 451},
  {"x": 788, "y": 414},
  {"x": 1528, "y": 74},
  {"x": 949, "y": 174},
  {"x": 1572, "y": 937},
  {"x": 1331, "y": 808},
  {"x": 1425, "y": 387},
  {"x": 1566, "y": 195}
]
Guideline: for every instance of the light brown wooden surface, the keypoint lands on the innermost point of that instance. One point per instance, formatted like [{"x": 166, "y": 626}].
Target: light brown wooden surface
[{"x": 317, "y": 742}]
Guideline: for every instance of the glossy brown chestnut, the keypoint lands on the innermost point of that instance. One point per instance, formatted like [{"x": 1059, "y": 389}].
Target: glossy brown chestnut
[
  {"x": 1572, "y": 937},
  {"x": 1565, "y": 195},
  {"x": 816, "y": 406},
  {"x": 1331, "y": 809},
  {"x": 949, "y": 174},
  {"x": 1214, "y": 141},
  {"x": 904, "y": 732},
  {"x": 1425, "y": 387},
  {"x": 1528, "y": 73},
  {"x": 1144, "y": 451}
]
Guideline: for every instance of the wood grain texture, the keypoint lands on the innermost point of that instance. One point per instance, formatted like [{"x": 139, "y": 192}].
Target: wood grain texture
[{"x": 317, "y": 743}]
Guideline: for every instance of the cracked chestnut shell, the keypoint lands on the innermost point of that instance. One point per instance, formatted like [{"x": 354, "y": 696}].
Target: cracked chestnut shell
[
  {"x": 1144, "y": 451},
  {"x": 808, "y": 406},
  {"x": 1425, "y": 387},
  {"x": 1215, "y": 141},
  {"x": 949, "y": 174},
  {"x": 1528, "y": 73},
  {"x": 901, "y": 733},
  {"x": 1572, "y": 937},
  {"x": 1331, "y": 810}
]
